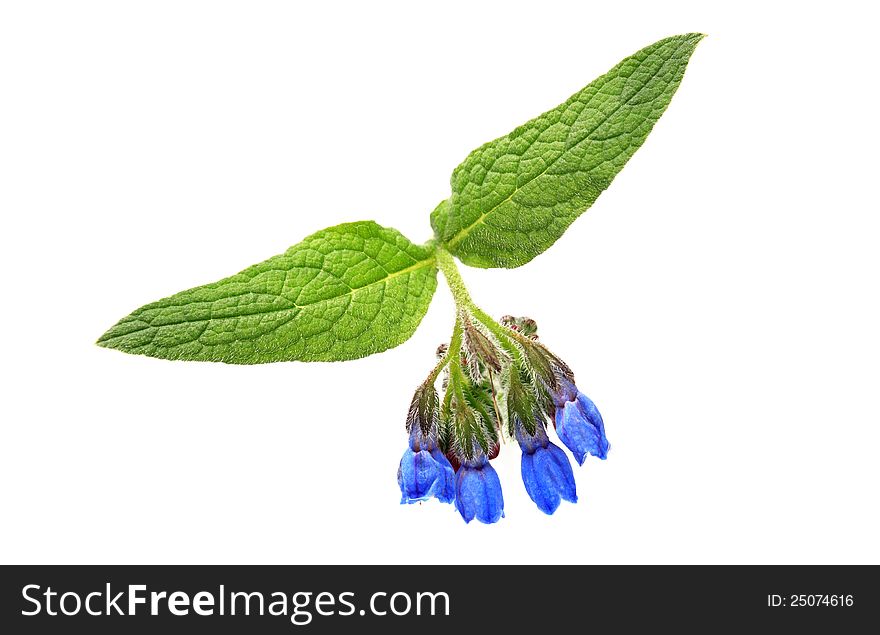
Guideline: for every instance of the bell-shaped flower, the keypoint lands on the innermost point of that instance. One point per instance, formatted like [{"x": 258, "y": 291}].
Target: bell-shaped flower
[
  {"x": 579, "y": 424},
  {"x": 546, "y": 471},
  {"x": 424, "y": 471},
  {"x": 478, "y": 491}
]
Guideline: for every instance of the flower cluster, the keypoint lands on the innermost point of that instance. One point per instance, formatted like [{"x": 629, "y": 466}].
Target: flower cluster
[{"x": 498, "y": 383}]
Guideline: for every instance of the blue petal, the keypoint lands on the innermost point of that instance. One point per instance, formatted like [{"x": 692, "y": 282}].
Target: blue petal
[
  {"x": 591, "y": 413},
  {"x": 566, "y": 484},
  {"x": 444, "y": 486},
  {"x": 579, "y": 426},
  {"x": 546, "y": 500},
  {"x": 416, "y": 476},
  {"x": 478, "y": 492},
  {"x": 548, "y": 478}
]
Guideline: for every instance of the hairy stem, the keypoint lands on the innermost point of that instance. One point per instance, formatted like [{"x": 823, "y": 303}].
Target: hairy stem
[
  {"x": 460, "y": 294},
  {"x": 453, "y": 350},
  {"x": 463, "y": 302},
  {"x": 454, "y": 342}
]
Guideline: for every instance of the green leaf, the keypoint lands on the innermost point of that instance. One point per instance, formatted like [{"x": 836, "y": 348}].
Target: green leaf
[
  {"x": 342, "y": 293},
  {"x": 514, "y": 197},
  {"x": 438, "y": 218}
]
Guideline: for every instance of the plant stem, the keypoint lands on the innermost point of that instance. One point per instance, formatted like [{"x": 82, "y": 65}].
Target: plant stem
[
  {"x": 455, "y": 340},
  {"x": 463, "y": 302},
  {"x": 432, "y": 376},
  {"x": 460, "y": 294}
]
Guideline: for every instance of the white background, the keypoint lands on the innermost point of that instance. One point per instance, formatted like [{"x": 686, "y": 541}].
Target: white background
[{"x": 719, "y": 302}]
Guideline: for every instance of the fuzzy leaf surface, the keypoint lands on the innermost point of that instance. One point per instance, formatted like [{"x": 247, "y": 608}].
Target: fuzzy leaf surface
[
  {"x": 344, "y": 292},
  {"x": 512, "y": 198}
]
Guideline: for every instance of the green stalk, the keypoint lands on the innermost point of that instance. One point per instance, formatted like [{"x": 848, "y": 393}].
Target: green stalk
[
  {"x": 460, "y": 294},
  {"x": 463, "y": 302},
  {"x": 455, "y": 341},
  {"x": 454, "y": 345}
]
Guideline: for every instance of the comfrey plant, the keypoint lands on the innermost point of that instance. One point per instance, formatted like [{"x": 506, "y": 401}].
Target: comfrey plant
[{"x": 356, "y": 289}]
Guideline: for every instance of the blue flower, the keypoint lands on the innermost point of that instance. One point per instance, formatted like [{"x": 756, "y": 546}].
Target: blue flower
[
  {"x": 425, "y": 472},
  {"x": 579, "y": 424},
  {"x": 478, "y": 491},
  {"x": 546, "y": 471}
]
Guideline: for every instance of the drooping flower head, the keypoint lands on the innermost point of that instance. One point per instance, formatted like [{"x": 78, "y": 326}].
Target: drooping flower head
[
  {"x": 451, "y": 443},
  {"x": 473, "y": 428},
  {"x": 424, "y": 470},
  {"x": 546, "y": 472}
]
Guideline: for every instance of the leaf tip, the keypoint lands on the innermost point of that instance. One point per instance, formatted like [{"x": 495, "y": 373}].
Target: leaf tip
[
  {"x": 102, "y": 341},
  {"x": 695, "y": 37},
  {"x": 106, "y": 340}
]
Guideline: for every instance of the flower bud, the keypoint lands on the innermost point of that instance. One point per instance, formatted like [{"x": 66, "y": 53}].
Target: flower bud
[
  {"x": 481, "y": 350},
  {"x": 522, "y": 404},
  {"x": 424, "y": 410},
  {"x": 470, "y": 434},
  {"x": 525, "y": 325}
]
